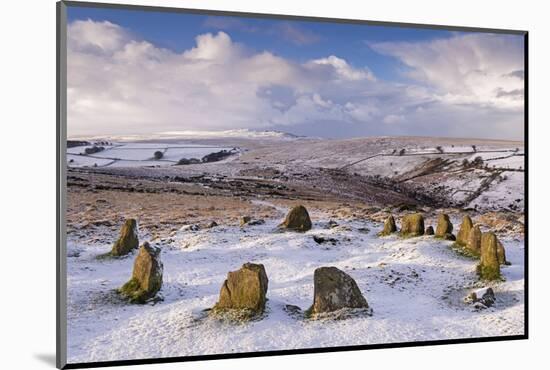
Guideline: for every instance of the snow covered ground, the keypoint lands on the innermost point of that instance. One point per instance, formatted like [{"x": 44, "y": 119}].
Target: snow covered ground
[
  {"x": 415, "y": 286},
  {"x": 135, "y": 154}
]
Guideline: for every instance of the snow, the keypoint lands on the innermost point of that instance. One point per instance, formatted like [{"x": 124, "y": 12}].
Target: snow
[
  {"x": 86, "y": 161},
  {"x": 512, "y": 162},
  {"x": 481, "y": 292},
  {"x": 508, "y": 190},
  {"x": 376, "y": 157},
  {"x": 78, "y": 149},
  {"x": 457, "y": 149},
  {"x": 415, "y": 286},
  {"x": 136, "y": 154},
  {"x": 175, "y": 154},
  {"x": 140, "y": 163},
  {"x": 458, "y": 183},
  {"x": 128, "y": 153},
  {"x": 495, "y": 185},
  {"x": 81, "y": 149}
]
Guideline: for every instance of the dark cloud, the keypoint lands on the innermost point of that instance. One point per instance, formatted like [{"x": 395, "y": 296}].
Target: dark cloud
[
  {"x": 519, "y": 74},
  {"x": 515, "y": 94}
]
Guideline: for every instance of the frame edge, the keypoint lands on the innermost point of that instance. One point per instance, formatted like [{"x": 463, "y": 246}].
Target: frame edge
[
  {"x": 61, "y": 135},
  {"x": 217, "y": 12}
]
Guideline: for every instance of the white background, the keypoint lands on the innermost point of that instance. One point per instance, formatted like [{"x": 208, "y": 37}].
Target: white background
[{"x": 27, "y": 209}]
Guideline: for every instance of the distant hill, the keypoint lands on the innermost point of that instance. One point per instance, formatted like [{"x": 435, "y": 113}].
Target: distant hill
[{"x": 201, "y": 135}]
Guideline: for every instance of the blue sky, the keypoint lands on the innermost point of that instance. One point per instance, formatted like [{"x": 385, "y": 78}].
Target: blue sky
[{"x": 384, "y": 80}]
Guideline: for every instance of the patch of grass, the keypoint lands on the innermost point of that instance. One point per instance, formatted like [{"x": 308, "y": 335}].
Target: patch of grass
[
  {"x": 464, "y": 252},
  {"x": 340, "y": 314},
  {"x": 133, "y": 292},
  {"x": 109, "y": 256},
  {"x": 235, "y": 315},
  {"x": 489, "y": 273}
]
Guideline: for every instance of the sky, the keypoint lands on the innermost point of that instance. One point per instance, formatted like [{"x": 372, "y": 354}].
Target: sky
[{"x": 135, "y": 72}]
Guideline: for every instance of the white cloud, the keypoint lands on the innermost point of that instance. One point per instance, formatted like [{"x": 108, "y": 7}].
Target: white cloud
[
  {"x": 119, "y": 84},
  {"x": 131, "y": 85},
  {"x": 344, "y": 70},
  {"x": 100, "y": 37},
  {"x": 218, "y": 48},
  {"x": 467, "y": 69}
]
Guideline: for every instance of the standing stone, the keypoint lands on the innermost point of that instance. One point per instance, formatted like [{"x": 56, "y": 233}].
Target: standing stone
[
  {"x": 412, "y": 225},
  {"x": 444, "y": 226},
  {"x": 501, "y": 253},
  {"x": 248, "y": 221},
  {"x": 489, "y": 267},
  {"x": 464, "y": 232},
  {"x": 244, "y": 290},
  {"x": 474, "y": 241},
  {"x": 389, "y": 226},
  {"x": 146, "y": 278},
  {"x": 127, "y": 240},
  {"x": 297, "y": 219},
  {"x": 429, "y": 230},
  {"x": 334, "y": 290},
  {"x": 245, "y": 220}
]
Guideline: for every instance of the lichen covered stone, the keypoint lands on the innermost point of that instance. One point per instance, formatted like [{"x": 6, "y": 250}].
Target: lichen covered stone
[
  {"x": 389, "y": 226},
  {"x": 444, "y": 226},
  {"x": 501, "y": 254},
  {"x": 244, "y": 220},
  {"x": 464, "y": 231},
  {"x": 244, "y": 290},
  {"x": 334, "y": 290},
  {"x": 473, "y": 245},
  {"x": 146, "y": 278},
  {"x": 412, "y": 225},
  {"x": 297, "y": 219},
  {"x": 489, "y": 266},
  {"x": 128, "y": 239}
]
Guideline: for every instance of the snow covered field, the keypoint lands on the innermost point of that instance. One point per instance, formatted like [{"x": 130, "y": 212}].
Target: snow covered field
[
  {"x": 468, "y": 173},
  {"x": 415, "y": 286},
  {"x": 138, "y": 154}
]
